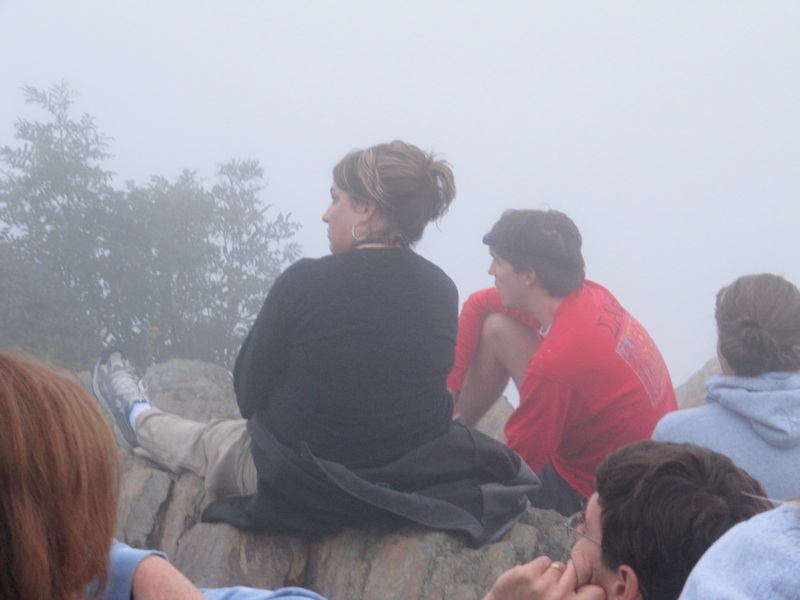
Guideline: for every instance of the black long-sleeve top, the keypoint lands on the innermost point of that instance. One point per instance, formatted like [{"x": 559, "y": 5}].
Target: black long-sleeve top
[{"x": 350, "y": 354}]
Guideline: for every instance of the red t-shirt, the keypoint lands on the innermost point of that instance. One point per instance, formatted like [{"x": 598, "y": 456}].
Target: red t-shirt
[{"x": 597, "y": 382}]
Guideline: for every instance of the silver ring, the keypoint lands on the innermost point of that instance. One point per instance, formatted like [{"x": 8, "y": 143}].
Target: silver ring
[{"x": 557, "y": 567}]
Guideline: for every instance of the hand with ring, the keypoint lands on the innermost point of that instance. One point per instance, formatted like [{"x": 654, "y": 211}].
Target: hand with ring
[{"x": 543, "y": 579}]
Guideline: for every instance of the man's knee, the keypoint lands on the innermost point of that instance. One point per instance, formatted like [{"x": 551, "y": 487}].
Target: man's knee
[
  {"x": 502, "y": 332},
  {"x": 510, "y": 342},
  {"x": 497, "y": 328}
]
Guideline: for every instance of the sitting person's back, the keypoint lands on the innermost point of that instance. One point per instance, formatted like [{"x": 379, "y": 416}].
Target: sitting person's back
[
  {"x": 590, "y": 377},
  {"x": 752, "y": 411},
  {"x": 350, "y": 356}
]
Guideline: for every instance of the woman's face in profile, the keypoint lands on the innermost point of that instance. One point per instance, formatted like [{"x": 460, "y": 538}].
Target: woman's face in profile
[{"x": 342, "y": 216}]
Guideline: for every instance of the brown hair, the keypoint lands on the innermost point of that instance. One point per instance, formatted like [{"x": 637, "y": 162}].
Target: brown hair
[
  {"x": 662, "y": 506},
  {"x": 408, "y": 186},
  {"x": 58, "y": 484},
  {"x": 758, "y": 324},
  {"x": 548, "y": 242}
]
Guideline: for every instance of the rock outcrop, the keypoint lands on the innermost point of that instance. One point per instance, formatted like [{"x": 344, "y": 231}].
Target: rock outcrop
[
  {"x": 693, "y": 392},
  {"x": 161, "y": 510}
]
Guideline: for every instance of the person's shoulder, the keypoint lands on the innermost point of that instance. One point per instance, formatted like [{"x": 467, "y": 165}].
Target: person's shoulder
[
  {"x": 410, "y": 265},
  {"x": 303, "y": 268},
  {"x": 413, "y": 256},
  {"x": 123, "y": 555},
  {"x": 432, "y": 267},
  {"x": 122, "y": 563},
  {"x": 778, "y": 529},
  {"x": 247, "y": 593},
  {"x": 592, "y": 287},
  {"x": 682, "y": 425},
  {"x": 485, "y": 294},
  {"x": 771, "y": 538},
  {"x": 307, "y": 263},
  {"x": 601, "y": 298},
  {"x": 591, "y": 298},
  {"x": 785, "y": 516}
]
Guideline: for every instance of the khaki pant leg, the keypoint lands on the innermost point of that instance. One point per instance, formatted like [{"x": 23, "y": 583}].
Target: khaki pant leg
[{"x": 218, "y": 451}]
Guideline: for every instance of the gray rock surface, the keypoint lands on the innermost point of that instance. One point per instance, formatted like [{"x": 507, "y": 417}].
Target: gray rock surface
[
  {"x": 692, "y": 392},
  {"x": 161, "y": 510}
]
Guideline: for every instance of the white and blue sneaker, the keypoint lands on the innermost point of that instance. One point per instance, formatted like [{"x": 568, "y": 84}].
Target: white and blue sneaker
[{"x": 117, "y": 386}]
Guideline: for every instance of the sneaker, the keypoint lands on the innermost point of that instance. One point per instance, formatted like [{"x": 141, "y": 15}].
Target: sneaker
[{"x": 117, "y": 386}]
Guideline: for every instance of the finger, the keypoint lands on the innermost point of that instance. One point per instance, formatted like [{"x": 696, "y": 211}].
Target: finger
[
  {"x": 569, "y": 578},
  {"x": 569, "y": 581},
  {"x": 516, "y": 582},
  {"x": 536, "y": 568},
  {"x": 540, "y": 565},
  {"x": 591, "y": 592}
]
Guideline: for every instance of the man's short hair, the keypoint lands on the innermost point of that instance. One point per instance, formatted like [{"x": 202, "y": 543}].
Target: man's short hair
[
  {"x": 663, "y": 504},
  {"x": 546, "y": 241}
]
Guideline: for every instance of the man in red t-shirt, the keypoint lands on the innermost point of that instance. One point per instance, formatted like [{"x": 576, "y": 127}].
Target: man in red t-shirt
[{"x": 590, "y": 377}]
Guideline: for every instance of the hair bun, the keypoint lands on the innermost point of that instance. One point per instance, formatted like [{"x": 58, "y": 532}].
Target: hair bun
[
  {"x": 409, "y": 186},
  {"x": 758, "y": 321}
]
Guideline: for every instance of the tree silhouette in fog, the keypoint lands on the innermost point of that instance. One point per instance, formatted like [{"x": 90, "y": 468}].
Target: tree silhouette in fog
[{"x": 167, "y": 269}]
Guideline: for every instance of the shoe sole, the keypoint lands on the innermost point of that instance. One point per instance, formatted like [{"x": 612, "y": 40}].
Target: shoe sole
[{"x": 122, "y": 441}]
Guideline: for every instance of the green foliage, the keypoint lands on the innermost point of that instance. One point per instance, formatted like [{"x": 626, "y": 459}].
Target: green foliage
[
  {"x": 30, "y": 297},
  {"x": 168, "y": 269}
]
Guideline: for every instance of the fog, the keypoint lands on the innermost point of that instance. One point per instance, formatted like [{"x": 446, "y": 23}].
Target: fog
[{"x": 668, "y": 131}]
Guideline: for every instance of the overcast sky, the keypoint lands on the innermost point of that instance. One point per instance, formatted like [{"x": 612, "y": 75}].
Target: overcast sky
[{"x": 669, "y": 131}]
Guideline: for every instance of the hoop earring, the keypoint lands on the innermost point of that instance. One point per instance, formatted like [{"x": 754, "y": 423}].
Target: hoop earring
[{"x": 353, "y": 233}]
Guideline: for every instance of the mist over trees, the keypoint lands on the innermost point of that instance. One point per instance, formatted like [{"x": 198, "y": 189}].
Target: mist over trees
[{"x": 162, "y": 270}]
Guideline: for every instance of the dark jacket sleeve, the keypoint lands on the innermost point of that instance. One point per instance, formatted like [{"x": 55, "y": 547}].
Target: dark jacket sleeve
[{"x": 261, "y": 363}]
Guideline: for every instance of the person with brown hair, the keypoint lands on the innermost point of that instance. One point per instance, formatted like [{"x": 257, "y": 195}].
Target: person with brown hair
[
  {"x": 342, "y": 381},
  {"x": 590, "y": 377},
  {"x": 658, "y": 507},
  {"x": 59, "y": 486},
  {"x": 752, "y": 410}
]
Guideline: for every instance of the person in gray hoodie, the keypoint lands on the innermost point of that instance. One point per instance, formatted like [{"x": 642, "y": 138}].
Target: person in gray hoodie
[
  {"x": 770, "y": 540},
  {"x": 752, "y": 410}
]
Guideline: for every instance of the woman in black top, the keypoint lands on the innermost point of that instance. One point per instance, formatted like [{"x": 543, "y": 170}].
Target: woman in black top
[
  {"x": 350, "y": 352},
  {"x": 342, "y": 379}
]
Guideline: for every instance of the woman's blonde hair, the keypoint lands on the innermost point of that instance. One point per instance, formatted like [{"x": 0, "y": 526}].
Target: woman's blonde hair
[
  {"x": 408, "y": 186},
  {"x": 59, "y": 484}
]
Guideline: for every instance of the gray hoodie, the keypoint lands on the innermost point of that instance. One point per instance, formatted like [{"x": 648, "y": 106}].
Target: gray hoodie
[
  {"x": 753, "y": 420},
  {"x": 754, "y": 560}
]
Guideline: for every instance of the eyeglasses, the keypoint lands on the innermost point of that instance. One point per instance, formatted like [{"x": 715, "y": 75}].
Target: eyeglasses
[{"x": 576, "y": 526}]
